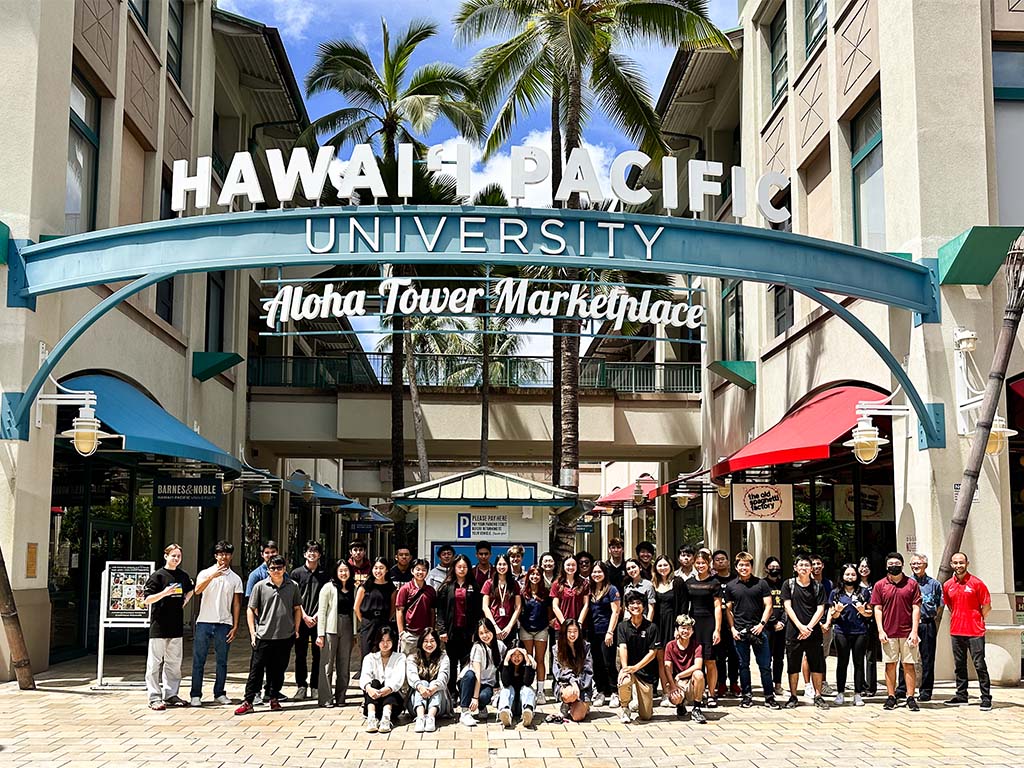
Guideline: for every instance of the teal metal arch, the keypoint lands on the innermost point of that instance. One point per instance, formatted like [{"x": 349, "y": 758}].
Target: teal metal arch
[{"x": 148, "y": 253}]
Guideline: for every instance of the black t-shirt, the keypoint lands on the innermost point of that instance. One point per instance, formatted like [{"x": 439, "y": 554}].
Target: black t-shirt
[
  {"x": 310, "y": 583},
  {"x": 398, "y": 577},
  {"x": 805, "y": 601},
  {"x": 638, "y": 641},
  {"x": 616, "y": 573},
  {"x": 167, "y": 615},
  {"x": 747, "y": 600}
]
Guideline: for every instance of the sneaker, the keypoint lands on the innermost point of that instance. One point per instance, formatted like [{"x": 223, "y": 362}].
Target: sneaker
[
  {"x": 244, "y": 708},
  {"x": 625, "y": 716},
  {"x": 429, "y": 724},
  {"x": 721, "y": 691},
  {"x": 809, "y": 690},
  {"x": 541, "y": 698},
  {"x": 681, "y": 713},
  {"x": 257, "y": 700},
  {"x": 826, "y": 689},
  {"x": 747, "y": 702},
  {"x": 371, "y": 724},
  {"x": 421, "y": 724},
  {"x": 505, "y": 715},
  {"x": 912, "y": 704},
  {"x": 890, "y": 702},
  {"x": 792, "y": 702},
  {"x": 956, "y": 701},
  {"x": 196, "y": 701},
  {"x": 599, "y": 700},
  {"x": 176, "y": 701},
  {"x": 385, "y": 725},
  {"x": 481, "y": 714},
  {"x": 778, "y": 689},
  {"x": 467, "y": 719},
  {"x": 527, "y": 717},
  {"x": 697, "y": 716},
  {"x": 858, "y": 701},
  {"x": 839, "y": 700},
  {"x": 223, "y": 699},
  {"x": 986, "y": 705},
  {"x": 275, "y": 705},
  {"x": 771, "y": 703},
  {"x": 301, "y": 693},
  {"x": 820, "y": 703},
  {"x": 564, "y": 710},
  {"x": 924, "y": 696},
  {"x": 666, "y": 702},
  {"x": 282, "y": 697},
  {"x": 613, "y": 702},
  {"x": 159, "y": 706}
]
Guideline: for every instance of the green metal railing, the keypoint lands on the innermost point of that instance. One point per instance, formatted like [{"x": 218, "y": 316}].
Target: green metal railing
[{"x": 374, "y": 370}]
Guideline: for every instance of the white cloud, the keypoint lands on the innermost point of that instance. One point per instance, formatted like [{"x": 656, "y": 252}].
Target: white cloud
[{"x": 292, "y": 17}]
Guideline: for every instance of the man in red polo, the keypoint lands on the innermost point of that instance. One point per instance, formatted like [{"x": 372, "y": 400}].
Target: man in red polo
[
  {"x": 897, "y": 603},
  {"x": 969, "y": 602}
]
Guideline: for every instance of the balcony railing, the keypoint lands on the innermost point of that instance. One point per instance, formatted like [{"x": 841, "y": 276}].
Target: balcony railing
[{"x": 374, "y": 370}]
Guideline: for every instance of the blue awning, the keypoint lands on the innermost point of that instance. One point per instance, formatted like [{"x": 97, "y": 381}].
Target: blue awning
[
  {"x": 145, "y": 426},
  {"x": 326, "y": 496},
  {"x": 368, "y": 515}
]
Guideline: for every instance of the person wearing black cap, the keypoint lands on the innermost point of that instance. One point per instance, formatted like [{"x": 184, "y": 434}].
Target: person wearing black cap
[{"x": 638, "y": 643}]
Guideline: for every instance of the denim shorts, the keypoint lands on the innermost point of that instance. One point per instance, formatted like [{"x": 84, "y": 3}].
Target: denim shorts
[{"x": 526, "y": 635}]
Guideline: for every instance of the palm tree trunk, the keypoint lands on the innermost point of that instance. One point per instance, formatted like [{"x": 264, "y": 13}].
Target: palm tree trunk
[
  {"x": 12, "y": 628},
  {"x": 556, "y": 324},
  {"x": 989, "y": 405},
  {"x": 417, "y": 414},
  {"x": 485, "y": 389}
]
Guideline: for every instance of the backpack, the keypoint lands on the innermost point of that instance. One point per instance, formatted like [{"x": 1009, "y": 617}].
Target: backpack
[{"x": 815, "y": 582}]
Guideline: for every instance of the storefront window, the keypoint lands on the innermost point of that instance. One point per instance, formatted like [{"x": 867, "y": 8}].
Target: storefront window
[
  {"x": 83, "y": 152},
  {"x": 868, "y": 186}
]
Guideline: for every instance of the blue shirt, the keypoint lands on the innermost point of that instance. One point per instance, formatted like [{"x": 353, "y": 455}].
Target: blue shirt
[
  {"x": 534, "y": 617},
  {"x": 259, "y": 574},
  {"x": 601, "y": 610},
  {"x": 850, "y": 622},
  {"x": 931, "y": 597}
]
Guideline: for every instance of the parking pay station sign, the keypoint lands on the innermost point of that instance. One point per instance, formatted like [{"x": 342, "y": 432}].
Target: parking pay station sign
[{"x": 490, "y": 526}]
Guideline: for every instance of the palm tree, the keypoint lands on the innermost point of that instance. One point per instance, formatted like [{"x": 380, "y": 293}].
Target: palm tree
[{"x": 386, "y": 107}]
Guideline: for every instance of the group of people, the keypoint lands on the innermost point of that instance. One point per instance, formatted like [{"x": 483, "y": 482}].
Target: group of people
[{"x": 459, "y": 638}]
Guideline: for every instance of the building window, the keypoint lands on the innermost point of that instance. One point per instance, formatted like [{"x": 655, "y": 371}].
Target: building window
[
  {"x": 814, "y": 22},
  {"x": 777, "y": 37},
  {"x": 175, "y": 34},
  {"x": 215, "y": 293},
  {"x": 868, "y": 187},
  {"x": 141, "y": 10},
  {"x": 782, "y": 298},
  {"x": 83, "y": 154},
  {"x": 165, "y": 288},
  {"x": 732, "y": 320},
  {"x": 1008, "y": 82}
]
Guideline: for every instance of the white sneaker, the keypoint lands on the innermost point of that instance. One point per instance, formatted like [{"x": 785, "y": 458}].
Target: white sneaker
[
  {"x": 527, "y": 717},
  {"x": 223, "y": 699},
  {"x": 613, "y": 702},
  {"x": 197, "y": 701},
  {"x": 428, "y": 724},
  {"x": 301, "y": 693},
  {"x": 505, "y": 715},
  {"x": 778, "y": 689},
  {"x": 858, "y": 701},
  {"x": 421, "y": 724},
  {"x": 257, "y": 700},
  {"x": 371, "y": 725},
  {"x": 468, "y": 719},
  {"x": 541, "y": 698},
  {"x": 809, "y": 690},
  {"x": 625, "y": 716},
  {"x": 839, "y": 700},
  {"x": 666, "y": 703},
  {"x": 826, "y": 689},
  {"x": 599, "y": 700},
  {"x": 385, "y": 725}
]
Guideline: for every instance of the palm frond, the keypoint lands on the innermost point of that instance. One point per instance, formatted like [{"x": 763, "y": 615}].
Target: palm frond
[
  {"x": 618, "y": 84},
  {"x": 487, "y": 18},
  {"x": 677, "y": 23},
  {"x": 397, "y": 58}
]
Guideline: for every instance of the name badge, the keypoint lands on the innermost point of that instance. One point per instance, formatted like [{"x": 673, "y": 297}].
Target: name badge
[{"x": 501, "y": 612}]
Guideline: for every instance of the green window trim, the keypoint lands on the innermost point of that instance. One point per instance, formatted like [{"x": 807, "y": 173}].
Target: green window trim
[
  {"x": 141, "y": 10},
  {"x": 91, "y": 135},
  {"x": 1008, "y": 93},
  {"x": 811, "y": 11},
  {"x": 870, "y": 144},
  {"x": 777, "y": 34},
  {"x": 175, "y": 21},
  {"x": 863, "y": 152}
]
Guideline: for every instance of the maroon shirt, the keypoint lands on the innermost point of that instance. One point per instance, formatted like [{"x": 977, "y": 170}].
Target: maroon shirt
[
  {"x": 503, "y": 600},
  {"x": 897, "y": 601},
  {"x": 571, "y": 599},
  {"x": 482, "y": 577},
  {"x": 421, "y": 615},
  {"x": 682, "y": 658}
]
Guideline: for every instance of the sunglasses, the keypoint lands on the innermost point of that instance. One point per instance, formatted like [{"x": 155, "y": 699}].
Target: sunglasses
[{"x": 276, "y": 568}]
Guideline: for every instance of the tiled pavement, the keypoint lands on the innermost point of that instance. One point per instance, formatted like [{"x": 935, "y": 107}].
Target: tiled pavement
[{"x": 65, "y": 724}]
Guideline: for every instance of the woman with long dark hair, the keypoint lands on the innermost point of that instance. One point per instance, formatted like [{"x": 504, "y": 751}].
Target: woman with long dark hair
[
  {"x": 671, "y": 599},
  {"x": 381, "y": 680},
  {"x": 569, "y": 594},
  {"x": 479, "y": 677},
  {"x": 534, "y": 623},
  {"x": 458, "y": 612},
  {"x": 427, "y": 672},
  {"x": 605, "y": 609},
  {"x": 573, "y": 672},
  {"x": 375, "y": 604},
  {"x": 502, "y": 602},
  {"x": 334, "y": 630},
  {"x": 706, "y": 610},
  {"x": 849, "y": 611}
]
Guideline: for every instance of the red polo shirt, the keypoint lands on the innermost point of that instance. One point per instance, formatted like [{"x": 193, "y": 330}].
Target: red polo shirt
[{"x": 965, "y": 600}]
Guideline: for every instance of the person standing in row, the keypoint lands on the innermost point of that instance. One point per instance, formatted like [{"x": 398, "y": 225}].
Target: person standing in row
[
  {"x": 515, "y": 558},
  {"x": 549, "y": 568},
  {"x": 584, "y": 563},
  {"x": 776, "y": 629},
  {"x": 310, "y": 579},
  {"x": 427, "y": 672},
  {"x": 401, "y": 571},
  {"x": 670, "y": 600},
  {"x": 569, "y": 594},
  {"x": 645, "y": 553},
  {"x": 502, "y": 602},
  {"x": 260, "y": 572},
  {"x": 897, "y": 604},
  {"x": 414, "y": 608},
  {"x": 818, "y": 574},
  {"x": 167, "y": 592},
  {"x": 219, "y": 611},
  {"x": 969, "y": 603},
  {"x": 804, "y": 601},
  {"x": 335, "y": 629},
  {"x": 381, "y": 679},
  {"x": 706, "y": 610},
  {"x": 482, "y": 569},
  {"x": 726, "y": 658},
  {"x": 873, "y": 650},
  {"x": 358, "y": 563},
  {"x": 684, "y": 663},
  {"x": 517, "y": 696},
  {"x": 458, "y": 613},
  {"x": 931, "y": 618},
  {"x": 637, "y": 641},
  {"x": 605, "y": 607},
  {"x": 616, "y": 564},
  {"x": 375, "y": 605},
  {"x": 274, "y": 615},
  {"x": 684, "y": 559},
  {"x": 534, "y": 623},
  {"x": 439, "y": 573},
  {"x": 635, "y": 582},
  {"x": 749, "y": 608},
  {"x": 848, "y": 615}
]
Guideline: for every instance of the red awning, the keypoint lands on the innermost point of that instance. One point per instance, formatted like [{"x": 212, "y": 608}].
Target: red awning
[
  {"x": 625, "y": 495},
  {"x": 805, "y": 434}
]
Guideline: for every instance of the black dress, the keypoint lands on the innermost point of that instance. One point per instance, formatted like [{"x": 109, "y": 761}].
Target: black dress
[
  {"x": 702, "y": 596},
  {"x": 376, "y": 612},
  {"x": 669, "y": 604}
]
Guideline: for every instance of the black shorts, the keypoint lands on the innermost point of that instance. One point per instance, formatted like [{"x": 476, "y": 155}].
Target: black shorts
[{"x": 811, "y": 647}]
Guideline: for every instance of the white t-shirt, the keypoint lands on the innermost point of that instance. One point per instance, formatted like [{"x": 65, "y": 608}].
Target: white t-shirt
[{"x": 218, "y": 597}]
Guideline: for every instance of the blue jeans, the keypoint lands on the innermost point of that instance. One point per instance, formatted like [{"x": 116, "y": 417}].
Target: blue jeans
[
  {"x": 466, "y": 686},
  {"x": 201, "y": 648},
  {"x": 763, "y": 656},
  {"x": 514, "y": 699}
]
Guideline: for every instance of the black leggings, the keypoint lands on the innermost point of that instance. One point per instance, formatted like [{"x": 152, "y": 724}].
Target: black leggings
[
  {"x": 604, "y": 665},
  {"x": 845, "y": 646},
  {"x": 777, "y": 637},
  {"x": 460, "y": 639}
]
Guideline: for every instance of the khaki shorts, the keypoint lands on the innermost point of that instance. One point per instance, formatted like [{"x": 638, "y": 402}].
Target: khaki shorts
[
  {"x": 896, "y": 650},
  {"x": 686, "y": 688}
]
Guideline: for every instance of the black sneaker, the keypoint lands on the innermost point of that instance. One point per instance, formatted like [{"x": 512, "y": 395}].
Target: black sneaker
[
  {"x": 912, "y": 704},
  {"x": 681, "y": 712},
  {"x": 792, "y": 702},
  {"x": 924, "y": 696},
  {"x": 747, "y": 702},
  {"x": 986, "y": 705},
  {"x": 890, "y": 703},
  {"x": 820, "y": 703},
  {"x": 956, "y": 701},
  {"x": 771, "y": 703},
  {"x": 697, "y": 716}
]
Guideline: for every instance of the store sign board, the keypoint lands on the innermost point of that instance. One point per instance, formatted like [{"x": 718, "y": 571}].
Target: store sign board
[
  {"x": 877, "y": 503},
  {"x": 481, "y": 526},
  {"x": 123, "y": 599},
  {"x": 187, "y": 492},
  {"x": 761, "y": 502}
]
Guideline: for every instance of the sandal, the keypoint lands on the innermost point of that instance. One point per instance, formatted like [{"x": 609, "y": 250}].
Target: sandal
[
  {"x": 554, "y": 719},
  {"x": 157, "y": 706},
  {"x": 176, "y": 701},
  {"x": 712, "y": 702}
]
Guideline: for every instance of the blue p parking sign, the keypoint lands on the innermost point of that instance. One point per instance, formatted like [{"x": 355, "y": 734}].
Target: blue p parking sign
[{"x": 464, "y": 525}]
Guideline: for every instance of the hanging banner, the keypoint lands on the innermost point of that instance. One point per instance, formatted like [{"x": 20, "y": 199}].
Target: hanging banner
[
  {"x": 187, "y": 492},
  {"x": 877, "y": 503},
  {"x": 761, "y": 502}
]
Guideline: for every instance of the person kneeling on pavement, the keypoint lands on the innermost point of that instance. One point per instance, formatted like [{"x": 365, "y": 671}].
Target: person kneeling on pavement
[
  {"x": 685, "y": 667},
  {"x": 637, "y": 640},
  {"x": 573, "y": 672}
]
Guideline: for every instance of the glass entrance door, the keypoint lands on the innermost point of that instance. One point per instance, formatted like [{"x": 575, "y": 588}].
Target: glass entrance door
[{"x": 107, "y": 541}]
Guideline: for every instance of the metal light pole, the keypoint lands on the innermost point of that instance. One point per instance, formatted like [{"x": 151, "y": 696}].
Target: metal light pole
[{"x": 1014, "y": 272}]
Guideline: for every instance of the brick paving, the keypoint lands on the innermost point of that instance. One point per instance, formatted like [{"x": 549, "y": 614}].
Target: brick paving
[{"x": 66, "y": 724}]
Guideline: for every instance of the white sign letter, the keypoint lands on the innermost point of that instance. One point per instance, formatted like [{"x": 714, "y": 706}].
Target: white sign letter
[
  {"x": 520, "y": 176},
  {"x": 201, "y": 183},
  {"x": 700, "y": 186},
  {"x": 620, "y": 165}
]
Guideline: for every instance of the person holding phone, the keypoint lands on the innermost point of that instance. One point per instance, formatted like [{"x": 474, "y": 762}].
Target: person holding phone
[
  {"x": 167, "y": 592},
  {"x": 848, "y": 616}
]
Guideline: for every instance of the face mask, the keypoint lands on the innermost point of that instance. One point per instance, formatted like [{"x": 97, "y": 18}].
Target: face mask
[
  {"x": 895, "y": 570},
  {"x": 774, "y": 572},
  {"x": 850, "y": 581}
]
